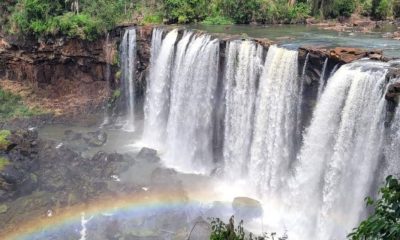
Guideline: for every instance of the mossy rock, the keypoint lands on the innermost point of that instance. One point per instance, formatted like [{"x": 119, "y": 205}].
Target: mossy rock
[
  {"x": 3, "y": 209},
  {"x": 3, "y": 163},
  {"x": 4, "y": 143}
]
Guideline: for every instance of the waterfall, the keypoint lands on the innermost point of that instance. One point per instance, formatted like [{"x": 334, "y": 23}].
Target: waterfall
[
  {"x": 158, "y": 87},
  {"x": 275, "y": 121},
  {"x": 193, "y": 94},
  {"x": 107, "y": 49},
  {"x": 303, "y": 73},
  {"x": 128, "y": 66},
  {"x": 335, "y": 68},
  {"x": 300, "y": 101},
  {"x": 392, "y": 149},
  {"x": 322, "y": 79},
  {"x": 320, "y": 189},
  {"x": 341, "y": 151},
  {"x": 242, "y": 70}
]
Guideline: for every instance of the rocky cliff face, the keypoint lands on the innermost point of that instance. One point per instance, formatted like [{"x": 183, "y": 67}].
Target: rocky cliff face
[{"x": 71, "y": 74}]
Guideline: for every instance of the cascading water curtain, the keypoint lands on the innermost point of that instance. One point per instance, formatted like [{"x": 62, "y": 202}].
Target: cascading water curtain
[
  {"x": 158, "y": 88},
  {"x": 242, "y": 70},
  {"x": 275, "y": 123},
  {"x": 319, "y": 194},
  {"x": 128, "y": 66},
  {"x": 340, "y": 156},
  {"x": 180, "y": 99},
  {"x": 193, "y": 95},
  {"x": 392, "y": 148}
]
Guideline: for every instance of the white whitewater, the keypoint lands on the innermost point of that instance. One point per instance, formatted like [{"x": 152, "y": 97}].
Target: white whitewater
[
  {"x": 392, "y": 149},
  {"x": 322, "y": 79},
  {"x": 128, "y": 66},
  {"x": 275, "y": 121},
  {"x": 242, "y": 69},
  {"x": 156, "y": 107},
  {"x": 193, "y": 94},
  {"x": 340, "y": 155},
  {"x": 317, "y": 193},
  {"x": 300, "y": 101}
]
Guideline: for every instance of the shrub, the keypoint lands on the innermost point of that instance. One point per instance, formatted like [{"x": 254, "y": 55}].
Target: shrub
[
  {"x": 218, "y": 20},
  {"x": 381, "y": 9},
  {"x": 366, "y": 7},
  {"x": 299, "y": 12},
  {"x": 153, "y": 19},
  {"x": 343, "y": 8},
  {"x": 4, "y": 143},
  {"x": 384, "y": 221},
  {"x": 185, "y": 11},
  {"x": 11, "y": 106},
  {"x": 396, "y": 8},
  {"x": 77, "y": 25},
  {"x": 222, "y": 231},
  {"x": 241, "y": 11}
]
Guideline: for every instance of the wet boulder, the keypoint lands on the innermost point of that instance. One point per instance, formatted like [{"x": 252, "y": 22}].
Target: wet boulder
[
  {"x": 393, "y": 92},
  {"x": 95, "y": 139},
  {"x": 246, "y": 208},
  {"x": 148, "y": 155},
  {"x": 201, "y": 230},
  {"x": 70, "y": 135}
]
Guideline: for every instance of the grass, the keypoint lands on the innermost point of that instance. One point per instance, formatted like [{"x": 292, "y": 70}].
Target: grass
[
  {"x": 217, "y": 20},
  {"x": 3, "y": 139},
  {"x": 3, "y": 163},
  {"x": 11, "y": 106}
]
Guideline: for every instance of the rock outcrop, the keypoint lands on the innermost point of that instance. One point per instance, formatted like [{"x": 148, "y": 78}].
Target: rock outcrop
[
  {"x": 70, "y": 76},
  {"x": 41, "y": 175}
]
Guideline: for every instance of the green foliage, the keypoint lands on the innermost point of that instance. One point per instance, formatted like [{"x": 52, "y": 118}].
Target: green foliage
[
  {"x": 222, "y": 231},
  {"x": 51, "y": 17},
  {"x": 298, "y": 12},
  {"x": 366, "y": 7},
  {"x": 342, "y": 8},
  {"x": 153, "y": 19},
  {"x": 381, "y": 9},
  {"x": 3, "y": 139},
  {"x": 396, "y": 8},
  {"x": 241, "y": 11},
  {"x": 76, "y": 25},
  {"x": 217, "y": 20},
  {"x": 185, "y": 11},
  {"x": 3, "y": 163},
  {"x": 44, "y": 18},
  {"x": 384, "y": 223},
  {"x": 384, "y": 9},
  {"x": 11, "y": 106}
]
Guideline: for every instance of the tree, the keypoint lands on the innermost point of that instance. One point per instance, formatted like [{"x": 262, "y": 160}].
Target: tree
[{"x": 384, "y": 223}]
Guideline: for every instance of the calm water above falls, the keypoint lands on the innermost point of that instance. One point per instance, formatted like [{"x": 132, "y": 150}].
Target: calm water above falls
[{"x": 293, "y": 36}]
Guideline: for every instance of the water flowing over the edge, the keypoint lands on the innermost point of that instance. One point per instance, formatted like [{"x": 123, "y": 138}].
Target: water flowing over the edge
[
  {"x": 392, "y": 147},
  {"x": 128, "y": 66},
  {"x": 341, "y": 151},
  {"x": 320, "y": 193}
]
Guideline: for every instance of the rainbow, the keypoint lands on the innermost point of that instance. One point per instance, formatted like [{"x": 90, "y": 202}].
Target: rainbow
[{"x": 134, "y": 204}]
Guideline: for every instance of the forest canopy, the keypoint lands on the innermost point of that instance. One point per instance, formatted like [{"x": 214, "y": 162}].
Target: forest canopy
[{"x": 88, "y": 18}]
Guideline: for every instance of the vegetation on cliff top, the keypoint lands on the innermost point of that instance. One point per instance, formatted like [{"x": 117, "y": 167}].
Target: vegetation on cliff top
[
  {"x": 11, "y": 106},
  {"x": 87, "y": 18},
  {"x": 384, "y": 222}
]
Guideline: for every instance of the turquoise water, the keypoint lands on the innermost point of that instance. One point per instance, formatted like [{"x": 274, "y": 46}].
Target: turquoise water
[{"x": 293, "y": 36}]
